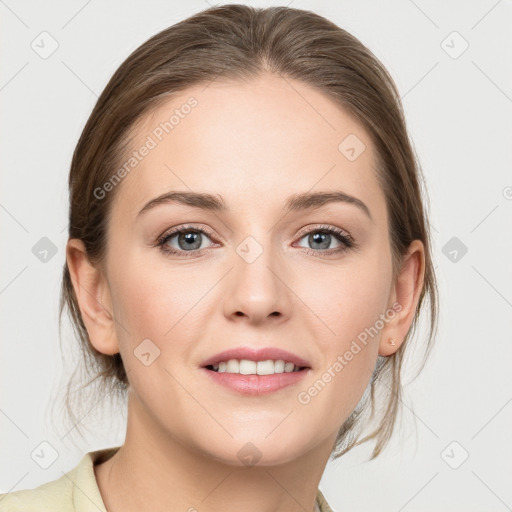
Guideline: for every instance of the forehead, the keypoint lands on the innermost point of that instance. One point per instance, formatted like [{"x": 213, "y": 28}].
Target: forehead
[{"x": 251, "y": 142}]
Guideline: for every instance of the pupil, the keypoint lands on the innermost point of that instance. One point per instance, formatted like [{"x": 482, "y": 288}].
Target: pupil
[
  {"x": 321, "y": 238},
  {"x": 191, "y": 240}
]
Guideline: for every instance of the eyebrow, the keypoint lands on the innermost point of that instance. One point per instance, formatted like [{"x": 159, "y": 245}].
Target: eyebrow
[{"x": 296, "y": 202}]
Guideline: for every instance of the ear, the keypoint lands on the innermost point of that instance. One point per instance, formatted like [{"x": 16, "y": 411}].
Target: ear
[
  {"x": 93, "y": 296},
  {"x": 404, "y": 296}
]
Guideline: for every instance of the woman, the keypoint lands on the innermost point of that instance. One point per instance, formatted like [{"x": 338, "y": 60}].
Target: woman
[{"x": 248, "y": 256}]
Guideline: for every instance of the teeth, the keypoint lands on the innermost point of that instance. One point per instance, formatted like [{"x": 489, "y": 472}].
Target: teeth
[{"x": 248, "y": 367}]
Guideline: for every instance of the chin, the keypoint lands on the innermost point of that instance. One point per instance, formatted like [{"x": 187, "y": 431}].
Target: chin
[{"x": 257, "y": 450}]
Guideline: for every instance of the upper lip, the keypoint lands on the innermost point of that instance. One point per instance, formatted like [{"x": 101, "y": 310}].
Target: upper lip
[{"x": 256, "y": 354}]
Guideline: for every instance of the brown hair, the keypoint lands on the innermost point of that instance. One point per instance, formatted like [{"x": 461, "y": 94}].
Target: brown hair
[{"x": 240, "y": 42}]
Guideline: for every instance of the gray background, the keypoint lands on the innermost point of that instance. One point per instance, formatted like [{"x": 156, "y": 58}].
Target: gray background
[{"x": 458, "y": 108}]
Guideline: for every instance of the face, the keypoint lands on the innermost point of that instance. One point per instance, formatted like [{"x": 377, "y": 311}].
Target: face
[{"x": 255, "y": 274}]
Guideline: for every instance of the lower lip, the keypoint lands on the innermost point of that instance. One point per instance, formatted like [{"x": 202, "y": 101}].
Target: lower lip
[{"x": 256, "y": 384}]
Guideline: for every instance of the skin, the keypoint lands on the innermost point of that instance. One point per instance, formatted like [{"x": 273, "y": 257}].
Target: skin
[{"x": 255, "y": 143}]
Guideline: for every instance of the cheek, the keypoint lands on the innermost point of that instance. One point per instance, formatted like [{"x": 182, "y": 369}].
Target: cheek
[
  {"x": 152, "y": 301},
  {"x": 167, "y": 307},
  {"x": 355, "y": 296},
  {"x": 348, "y": 299},
  {"x": 349, "y": 350}
]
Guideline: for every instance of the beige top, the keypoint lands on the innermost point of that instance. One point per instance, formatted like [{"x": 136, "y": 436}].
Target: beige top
[{"x": 77, "y": 491}]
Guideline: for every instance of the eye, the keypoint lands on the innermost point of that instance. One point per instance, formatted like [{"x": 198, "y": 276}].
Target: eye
[
  {"x": 184, "y": 240},
  {"x": 190, "y": 241},
  {"x": 321, "y": 239}
]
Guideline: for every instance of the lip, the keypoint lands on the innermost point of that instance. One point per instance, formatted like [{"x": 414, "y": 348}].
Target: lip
[
  {"x": 255, "y": 385},
  {"x": 256, "y": 354}
]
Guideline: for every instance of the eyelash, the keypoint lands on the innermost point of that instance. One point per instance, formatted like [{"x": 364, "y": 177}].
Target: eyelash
[{"x": 347, "y": 241}]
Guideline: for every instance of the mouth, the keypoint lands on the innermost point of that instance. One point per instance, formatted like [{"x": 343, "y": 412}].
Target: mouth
[
  {"x": 249, "y": 367},
  {"x": 256, "y": 371},
  {"x": 256, "y": 361}
]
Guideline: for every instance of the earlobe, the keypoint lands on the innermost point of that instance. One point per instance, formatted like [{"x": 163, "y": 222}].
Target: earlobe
[
  {"x": 93, "y": 296},
  {"x": 389, "y": 346},
  {"x": 405, "y": 296}
]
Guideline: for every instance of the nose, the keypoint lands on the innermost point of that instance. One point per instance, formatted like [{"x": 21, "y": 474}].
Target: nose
[{"x": 256, "y": 290}]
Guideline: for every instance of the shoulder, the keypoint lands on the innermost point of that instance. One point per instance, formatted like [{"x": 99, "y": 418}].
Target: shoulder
[
  {"x": 321, "y": 503},
  {"x": 75, "y": 491},
  {"x": 55, "y": 496}
]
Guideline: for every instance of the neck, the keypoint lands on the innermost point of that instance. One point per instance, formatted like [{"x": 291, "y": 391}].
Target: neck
[{"x": 156, "y": 471}]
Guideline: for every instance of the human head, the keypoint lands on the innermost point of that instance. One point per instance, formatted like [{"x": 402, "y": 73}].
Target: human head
[{"x": 234, "y": 43}]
